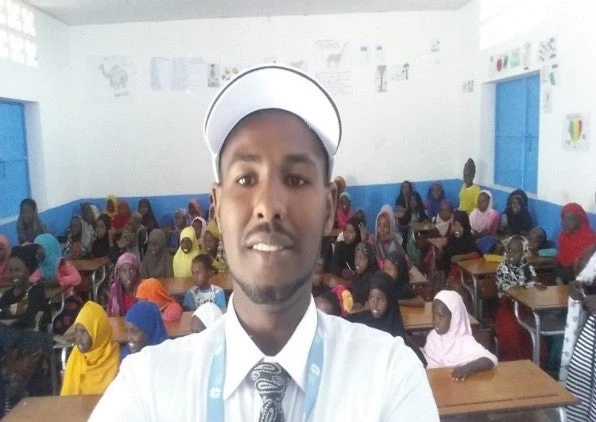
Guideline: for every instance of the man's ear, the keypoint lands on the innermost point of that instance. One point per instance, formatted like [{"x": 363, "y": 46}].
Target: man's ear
[
  {"x": 330, "y": 207},
  {"x": 216, "y": 195}
]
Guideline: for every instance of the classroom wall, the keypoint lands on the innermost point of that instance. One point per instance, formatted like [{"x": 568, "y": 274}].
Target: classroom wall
[
  {"x": 494, "y": 28},
  {"x": 152, "y": 143},
  {"x": 45, "y": 90}
]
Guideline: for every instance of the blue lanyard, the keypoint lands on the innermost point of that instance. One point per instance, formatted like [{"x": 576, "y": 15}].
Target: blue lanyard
[{"x": 215, "y": 402}]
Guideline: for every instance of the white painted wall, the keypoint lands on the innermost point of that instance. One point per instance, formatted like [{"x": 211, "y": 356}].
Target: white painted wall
[
  {"x": 563, "y": 176},
  {"x": 54, "y": 170},
  {"x": 152, "y": 144}
]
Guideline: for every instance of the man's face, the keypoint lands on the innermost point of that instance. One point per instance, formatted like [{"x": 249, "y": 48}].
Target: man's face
[{"x": 273, "y": 205}]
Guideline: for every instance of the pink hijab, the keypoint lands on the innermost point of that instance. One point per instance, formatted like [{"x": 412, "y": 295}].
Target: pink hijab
[
  {"x": 457, "y": 346},
  {"x": 4, "y": 264},
  {"x": 115, "y": 305},
  {"x": 482, "y": 221}
]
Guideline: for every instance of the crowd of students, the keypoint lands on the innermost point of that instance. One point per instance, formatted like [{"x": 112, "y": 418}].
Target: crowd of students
[{"x": 371, "y": 277}]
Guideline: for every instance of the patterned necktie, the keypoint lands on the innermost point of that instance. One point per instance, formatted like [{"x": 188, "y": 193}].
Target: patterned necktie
[{"x": 271, "y": 381}]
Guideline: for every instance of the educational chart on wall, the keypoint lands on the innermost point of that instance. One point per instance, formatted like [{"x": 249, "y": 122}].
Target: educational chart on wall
[
  {"x": 177, "y": 74},
  {"x": 111, "y": 78},
  {"x": 333, "y": 66},
  {"x": 576, "y": 129},
  {"x": 549, "y": 70}
]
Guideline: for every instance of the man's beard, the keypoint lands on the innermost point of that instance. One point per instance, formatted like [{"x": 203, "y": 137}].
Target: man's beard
[{"x": 272, "y": 295}]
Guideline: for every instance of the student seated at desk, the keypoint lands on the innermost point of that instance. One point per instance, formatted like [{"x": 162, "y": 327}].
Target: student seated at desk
[
  {"x": 451, "y": 343},
  {"x": 460, "y": 246},
  {"x": 365, "y": 266},
  {"x": 396, "y": 266},
  {"x": 577, "y": 236},
  {"x": 200, "y": 225},
  {"x": 539, "y": 244},
  {"x": 434, "y": 198},
  {"x": 111, "y": 208},
  {"x": 188, "y": 249},
  {"x": 93, "y": 362},
  {"x": 484, "y": 219},
  {"x": 203, "y": 292},
  {"x": 148, "y": 219},
  {"x": 415, "y": 214},
  {"x": 29, "y": 225},
  {"x": 24, "y": 300},
  {"x": 53, "y": 271},
  {"x": 144, "y": 327},
  {"x": 122, "y": 291},
  {"x": 214, "y": 248},
  {"x": 386, "y": 237},
  {"x": 153, "y": 291},
  {"x": 342, "y": 261},
  {"x": 204, "y": 316},
  {"x": 157, "y": 262},
  {"x": 101, "y": 243},
  {"x": 515, "y": 271},
  {"x": 344, "y": 211},
  {"x": 79, "y": 241},
  {"x": 516, "y": 219},
  {"x": 384, "y": 313},
  {"x": 122, "y": 217},
  {"x": 443, "y": 221},
  {"x": 180, "y": 222}
]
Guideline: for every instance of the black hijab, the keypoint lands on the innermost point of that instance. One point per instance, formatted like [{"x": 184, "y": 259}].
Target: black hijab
[
  {"x": 458, "y": 246},
  {"x": 361, "y": 282},
  {"x": 344, "y": 253},
  {"x": 101, "y": 245},
  {"x": 520, "y": 222},
  {"x": 148, "y": 220}
]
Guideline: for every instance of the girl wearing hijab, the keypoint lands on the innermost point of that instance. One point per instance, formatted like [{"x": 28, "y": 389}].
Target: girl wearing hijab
[
  {"x": 468, "y": 194},
  {"x": 577, "y": 236},
  {"x": 342, "y": 261},
  {"x": 122, "y": 292},
  {"x": 204, "y": 316},
  {"x": 386, "y": 237},
  {"x": 111, "y": 208},
  {"x": 144, "y": 327},
  {"x": 153, "y": 291},
  {"x": 200, "y": 226},
  {"x": 148, "y": 219},
  {"x": 214, "y": 248},
  {"x": 194, "y": 209},
  {"x": 89, "y": 215},
  {"x": 460, "y": 245},
  {"x": 484, "y": 219},
  {"x": 434, "y": 197},
  {"x": 405, "y": 192},
  {"x": 344, "y": 210},
  {"x": 28, "y": 297},
  {"x": 365, "y": 266},
  {"x": 189, "y": 248},
  {"x": 180, "y": 222},
  {"x": 93, "y": 362},
  {"x": 516, "y": 219},
  {"x": 4, "y": 257},
  {"x": 451, "y": 343},
  {"x": 101, "y": 242},
  {"x": 55, "y": 270},
  {"x": 157, "y": 261},
  {"x": 444, "y": 219},
  {"x": 29, "y": 225},
  {"x": 384, "y": 313},
  {"x": 396, "y": 266},
  {"x": 122, "y": 217},
  {"x": 79, "y": 242}
]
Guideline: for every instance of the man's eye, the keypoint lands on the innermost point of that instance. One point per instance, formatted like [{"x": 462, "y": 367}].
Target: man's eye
[
  {"x": 295, "y": 181},
  {"x": 246, "y": 180}
]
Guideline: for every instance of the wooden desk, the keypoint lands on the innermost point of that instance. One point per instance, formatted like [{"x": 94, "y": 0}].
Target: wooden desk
[
  {"x": 554, "y": 297},
  {"x": 421, "y": 319},
  {"x": 438, "y": 242},
  {"x": 179, "y": 285},
  {"x": 174, "y": 328},
  {"x": 53, "y": 408},
  {"x": 422, "y": 227},
  {"x": 507, "y": 387},
  {"x": 98, "y": 269}
]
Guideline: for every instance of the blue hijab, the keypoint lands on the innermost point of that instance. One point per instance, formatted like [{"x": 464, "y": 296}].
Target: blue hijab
[
  {"x": 434, "y": 204},
  {"x": 146, "y": 316},
  {"x": 49, "y": 266}
]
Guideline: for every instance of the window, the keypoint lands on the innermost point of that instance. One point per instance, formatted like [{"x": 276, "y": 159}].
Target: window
[
  {"x": 516, "y": 133},
  {"x": 14, "y": 169}
]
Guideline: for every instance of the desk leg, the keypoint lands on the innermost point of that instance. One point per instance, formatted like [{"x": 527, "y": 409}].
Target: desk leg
[
  {"x": 473, "y": 292},
  {"x": 534, "y": 332}
]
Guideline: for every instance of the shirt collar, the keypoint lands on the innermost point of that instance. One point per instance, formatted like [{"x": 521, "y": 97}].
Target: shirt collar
[{"x": 242, "y": 354}]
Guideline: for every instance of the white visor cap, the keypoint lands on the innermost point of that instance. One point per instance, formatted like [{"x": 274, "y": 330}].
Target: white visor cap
[{"x": 272, "y": 86}]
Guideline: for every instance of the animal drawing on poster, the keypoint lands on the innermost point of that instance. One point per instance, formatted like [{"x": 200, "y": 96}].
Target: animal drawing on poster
[
  {"x": 333, "y": 59},
  {"x": 548, "y": 49},
  {"x": 213, "y": 75},
  {"x": 116, "y": 75},
  {"x": 575, "y": 132},
  {"x": 381, "y": 78}
]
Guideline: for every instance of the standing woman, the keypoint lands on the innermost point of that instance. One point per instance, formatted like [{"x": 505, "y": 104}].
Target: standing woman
[
  {"x": 29, "y": 225},
  {"x": 468, "y": 194},
  {"x": 55, "y": 270}
]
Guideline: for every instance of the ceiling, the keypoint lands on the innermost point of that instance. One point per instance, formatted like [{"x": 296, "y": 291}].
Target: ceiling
[{"x": 91, "y": 12}]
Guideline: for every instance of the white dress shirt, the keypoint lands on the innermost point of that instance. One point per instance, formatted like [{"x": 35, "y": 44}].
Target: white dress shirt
[{"x": 367, "y": 376}]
